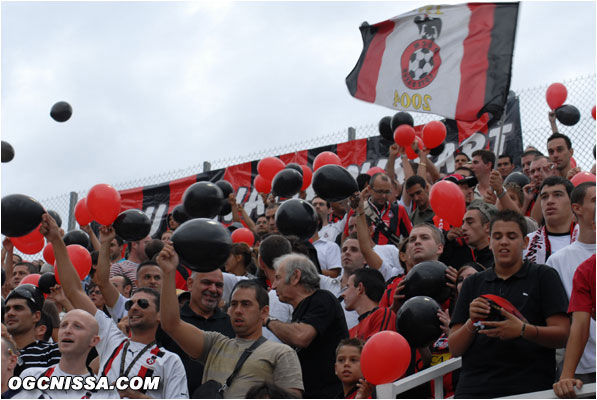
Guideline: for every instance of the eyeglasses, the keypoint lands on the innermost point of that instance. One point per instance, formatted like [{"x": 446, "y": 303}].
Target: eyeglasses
[
  {"x": 385, "y": 192},
  {"x": 143, "y": 303}
]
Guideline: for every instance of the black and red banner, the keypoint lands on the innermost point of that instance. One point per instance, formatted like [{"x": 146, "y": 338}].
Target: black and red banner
[{"x": 157, "y": 201}]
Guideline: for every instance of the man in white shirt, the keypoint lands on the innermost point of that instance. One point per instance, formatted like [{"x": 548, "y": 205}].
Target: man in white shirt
[
  {"x": 328, "y": 254},
  {"x": 328, "y": 231}
]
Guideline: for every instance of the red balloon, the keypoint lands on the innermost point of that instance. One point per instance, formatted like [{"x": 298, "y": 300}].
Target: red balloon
[
  {"x": 572, "y": 162},
  {"x": 307, "y": 177},
  {"x": 385, "y": 357},
  {"x": 447, "y": 201},
  {"x": 582, "y": 177},
  {"x": 49, "y": 254},
  {"x": 80, "y": 258},
  {"x": 325, "y": 158},
  {"x": 434, "y": 134},
  {"x": 410, "y": 152},
  {"x": 31, "y": 243},
  {"x": 82, "y": 214},
  {"x": 374, "y": 170},
  {"x": 556, "y": 95},
  {"x": 404, "y": 135},
  {"x": 262, "y": 185},
  {"x": 243, "y": 235},
  {"x": 103, "y": 203},
  {"x": 31, "y": 278},
  {"x": 269, "y": 167},
  {"x": 593, "y": 112}
]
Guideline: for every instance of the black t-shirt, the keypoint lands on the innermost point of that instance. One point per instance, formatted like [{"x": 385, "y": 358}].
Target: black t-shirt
[
  {"x": 322, "y": 311},
  {"x": 456, "y": 253},
  {"x": 497, "y": 368},
  {"x": 219, "y": 322}
]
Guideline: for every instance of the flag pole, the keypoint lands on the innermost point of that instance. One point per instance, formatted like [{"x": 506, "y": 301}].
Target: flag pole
[{"x": 499, "y": 138}]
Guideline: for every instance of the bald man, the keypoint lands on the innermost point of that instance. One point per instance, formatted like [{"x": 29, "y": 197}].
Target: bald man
[{"x": 77, "y": 335}]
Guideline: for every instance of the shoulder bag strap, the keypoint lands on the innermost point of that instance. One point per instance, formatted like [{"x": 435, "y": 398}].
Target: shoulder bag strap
[{"x": 242, "y": 360}]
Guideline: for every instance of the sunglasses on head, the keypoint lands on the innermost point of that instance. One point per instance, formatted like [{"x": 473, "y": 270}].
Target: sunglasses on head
[{"x": 143, "y": 303}]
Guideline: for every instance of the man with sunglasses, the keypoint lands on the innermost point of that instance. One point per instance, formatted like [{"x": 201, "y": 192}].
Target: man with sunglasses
[
  {"x": 119, "y": 355},
  {"x": 23, "y": 311}
]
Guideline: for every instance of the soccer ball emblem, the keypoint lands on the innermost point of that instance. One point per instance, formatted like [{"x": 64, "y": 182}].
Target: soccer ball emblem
[{"x": 420, "y": 63}]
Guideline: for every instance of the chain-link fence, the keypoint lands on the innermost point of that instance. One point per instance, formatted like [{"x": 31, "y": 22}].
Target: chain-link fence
[{"x": 535, "y": 130}]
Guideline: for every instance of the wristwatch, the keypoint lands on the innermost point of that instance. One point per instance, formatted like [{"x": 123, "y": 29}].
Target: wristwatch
[
  {"x": 268, "y": 320},
  {"x": 499, "y": 196}
]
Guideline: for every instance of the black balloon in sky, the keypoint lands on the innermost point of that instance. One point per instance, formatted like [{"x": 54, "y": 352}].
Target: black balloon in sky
[
  {"x": 295, "y": 167},
  {"x": 427, "y": 278},
  {"x": 61, "y": 111},
  {"x": 568, "y": 115},
  {"x": 226, "y": 190},
  {"x": 287, "y": 183},
  {"x": 385, "y": 129},
  {"x": 46, "y": 281},
  {"x": 436, "y": 151},
  {"x": 296, "y": 217},
  {"x": 76, "y": 236},
  {"x": 202, "y": 200},
  {"x": 56, "y": 217},
  {"x": 8, "y": 152},
  {"x": 401, "y": 118},
  {"x": 202, "y": 244},
  {"x": 334, "y": 183},
  {"x": 180, "y": 215},
  {"x": 20, "y": 215},
  {"x": 132, "y": 225},
  {"x": 418, "y": 322}
]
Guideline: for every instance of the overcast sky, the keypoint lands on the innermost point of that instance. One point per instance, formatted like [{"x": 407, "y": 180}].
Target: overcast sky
[{"x": 160, "y": 86}]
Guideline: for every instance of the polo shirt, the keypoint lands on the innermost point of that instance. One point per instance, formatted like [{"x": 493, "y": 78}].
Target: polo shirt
[
  {"x": 37, "y": 354},
  {"x": 495, "y": 368}
]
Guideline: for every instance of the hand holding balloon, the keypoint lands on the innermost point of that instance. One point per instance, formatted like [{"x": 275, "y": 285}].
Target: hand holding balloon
[
  {"x": 495, "y": 180},
  {"x": 49, "y": 228},
  {"x": 479, "y": 309},
  {"x": 168, "y": 259},
  {"x": 399, "y": 297},
  {"x": 507, "y": 329},
  {"x": 365, "y": 389},
  {"x": 444, "y": 317},
  {"x": 451, "y": 276},
  {"x": 107, "y": 234}
]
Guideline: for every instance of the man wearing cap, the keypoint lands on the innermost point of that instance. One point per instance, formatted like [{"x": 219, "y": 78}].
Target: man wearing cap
[{"x": 23, "y": 311}]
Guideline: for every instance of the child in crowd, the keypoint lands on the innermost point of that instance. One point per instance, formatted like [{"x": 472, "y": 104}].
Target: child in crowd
[{"x": 348, "y": 370}]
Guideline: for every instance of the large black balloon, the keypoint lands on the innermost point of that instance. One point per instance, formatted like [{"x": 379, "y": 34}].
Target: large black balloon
[
  {"x": 132, "y": 225},
  {"x": 202, "y": 244},
  {"x": 287, "y": 183},
  {"x": 46, "y": 281},
  {"x": 76, "y": 236},
  {"x": 61, "y": 111},
  {"x": 56, "y": 217},
  {"x": 297, "y": 217},
  {"x": 180, "y": 215},
  {"x": 8, "y": 152},
  {"x": 295, "y": 167},
  {"x": 568, "y": 115},
  {"x": 401, "y": 118},
  {"x": 517, "y": 177},
  {"x": 427, "y": 278},
  {"x": 436, "y": 151},
  {"x": 20, "y": 215},
  {"x": 418, "y": 322},
  {"x": 385, "y": 129},
  {"x": 226, "y": 190},
  {"x": 334, "y": 183},
  {"x": 202, "y": 200}
]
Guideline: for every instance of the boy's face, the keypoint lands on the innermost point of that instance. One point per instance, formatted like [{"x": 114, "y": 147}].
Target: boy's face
[{"x": 348, "y": 365}]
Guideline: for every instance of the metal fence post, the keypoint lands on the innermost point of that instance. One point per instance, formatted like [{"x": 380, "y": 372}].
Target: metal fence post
[
  {"x": 206, "y": 166},
  {"x": 352, "y": 133},
  {"x": 71, "y": 210}
]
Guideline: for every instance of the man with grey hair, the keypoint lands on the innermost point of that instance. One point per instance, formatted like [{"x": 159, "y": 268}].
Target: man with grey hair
[{"x": 317, "y": 326}]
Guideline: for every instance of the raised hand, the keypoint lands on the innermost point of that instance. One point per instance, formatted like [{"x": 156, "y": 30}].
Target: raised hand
[{"x": 168, "y": 259}]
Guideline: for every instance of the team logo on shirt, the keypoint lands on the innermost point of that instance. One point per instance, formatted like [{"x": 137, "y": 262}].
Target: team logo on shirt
[{"x": 150, "y": 360}]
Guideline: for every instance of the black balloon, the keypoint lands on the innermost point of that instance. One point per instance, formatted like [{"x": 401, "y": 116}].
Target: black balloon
[
  {"x": 436, "y": 151},
  {"x": 8, "y": 152},
  {"x": 517, "y": 177},
  {"x": 297, "y": 217},
  {"x": 202, "y": 200},
  {"x": 132, "y": 225},
  {"x": 20, "y": 215},
  {"x": 180, "y": 215},
  {"x": 334, "y": 183},
  {"x": 202, "y": 244},
  {"x": 287, "y": 183},
  {"x": 418, "y": 322},
  {"x": 46, "y": 281},
  {"x": 226, "y": 190},
  {"x": 427, "y": 278},
  {"x": 385, "y": 129},
  {"x": 568, "y": 115},
  {"x": 61, "y": 111},
  {"x": 56, "y": 217},
  {"x": 401, "y": 118},
  {"x": 295, "y": 167},
  {"x": 76, "y": 236}
]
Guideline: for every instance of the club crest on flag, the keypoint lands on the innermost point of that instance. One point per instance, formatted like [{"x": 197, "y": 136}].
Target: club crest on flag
[{"x": 420, "y": 61}]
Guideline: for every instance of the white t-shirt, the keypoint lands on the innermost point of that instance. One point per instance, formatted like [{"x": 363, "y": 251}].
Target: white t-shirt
[
  {"x": 565, "y": 262},
  {"x": 328, "y": 254},
  {"x": 391, "y": 261},
  {"x": 63, "y": 394},
  {"x": 154, "y": 362},
  {"x": 278, "y": 310},
  {"x": 118, "y": 311}
]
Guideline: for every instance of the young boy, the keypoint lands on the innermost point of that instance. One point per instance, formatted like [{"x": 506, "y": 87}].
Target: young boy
[{"x": 348, "y": 370}]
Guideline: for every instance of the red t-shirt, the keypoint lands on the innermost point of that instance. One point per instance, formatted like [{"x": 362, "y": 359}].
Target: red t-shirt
[
  {"x": 388, "y": 296},
  {"x": 583, "y": 288},
  {"x": 377, "y": 320}
]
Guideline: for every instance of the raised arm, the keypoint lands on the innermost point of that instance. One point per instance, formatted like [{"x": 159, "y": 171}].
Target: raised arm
[
  {"x": 187, "y": 336},
  {"x": 95, "y": 243},
  {"x": 102, "y": 272},
  {"x": 239, "y": 209},
  {"x": 69, "y": 279},
  {"x": 394, "y": 151},
  {"x": 504, "y": 201},
  {"x": 7, "y": 252},
  {"x": 431, "y": 168},
  {"x": 363, "y": 235}
]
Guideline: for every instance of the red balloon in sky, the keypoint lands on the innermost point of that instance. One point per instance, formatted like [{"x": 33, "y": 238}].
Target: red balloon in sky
[
  {"x": 593, "y": 112},
  {"x": 307, "y": 177},
  {"x": 447, "y": 201},
  {"x": 409, "y": 150},
  {"x": 31, "y": 243},
  {"x": 243, "y": 235},
  {"x": 262, "y": 185},
  {"x": 385, "y": 357},
  {"x": 103, "y": 203},
  {"x": 81, "y": 213},
  {"x": 80, "y": 258},
  {"x": 556, "y": 95},
  {"x": 582, "y": 177},
  {"x": 325, "y": 158},
  {"x": 269, "y": 167},
  {"x": 31, "y": 278},
  {"x": 49, "y": 254},
  {"x": 404, "y": 135},
  {"x": 434, "y": 134}
]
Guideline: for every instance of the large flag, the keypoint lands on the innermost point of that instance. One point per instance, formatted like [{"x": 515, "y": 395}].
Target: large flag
[{"x": 452, "y": 60}]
